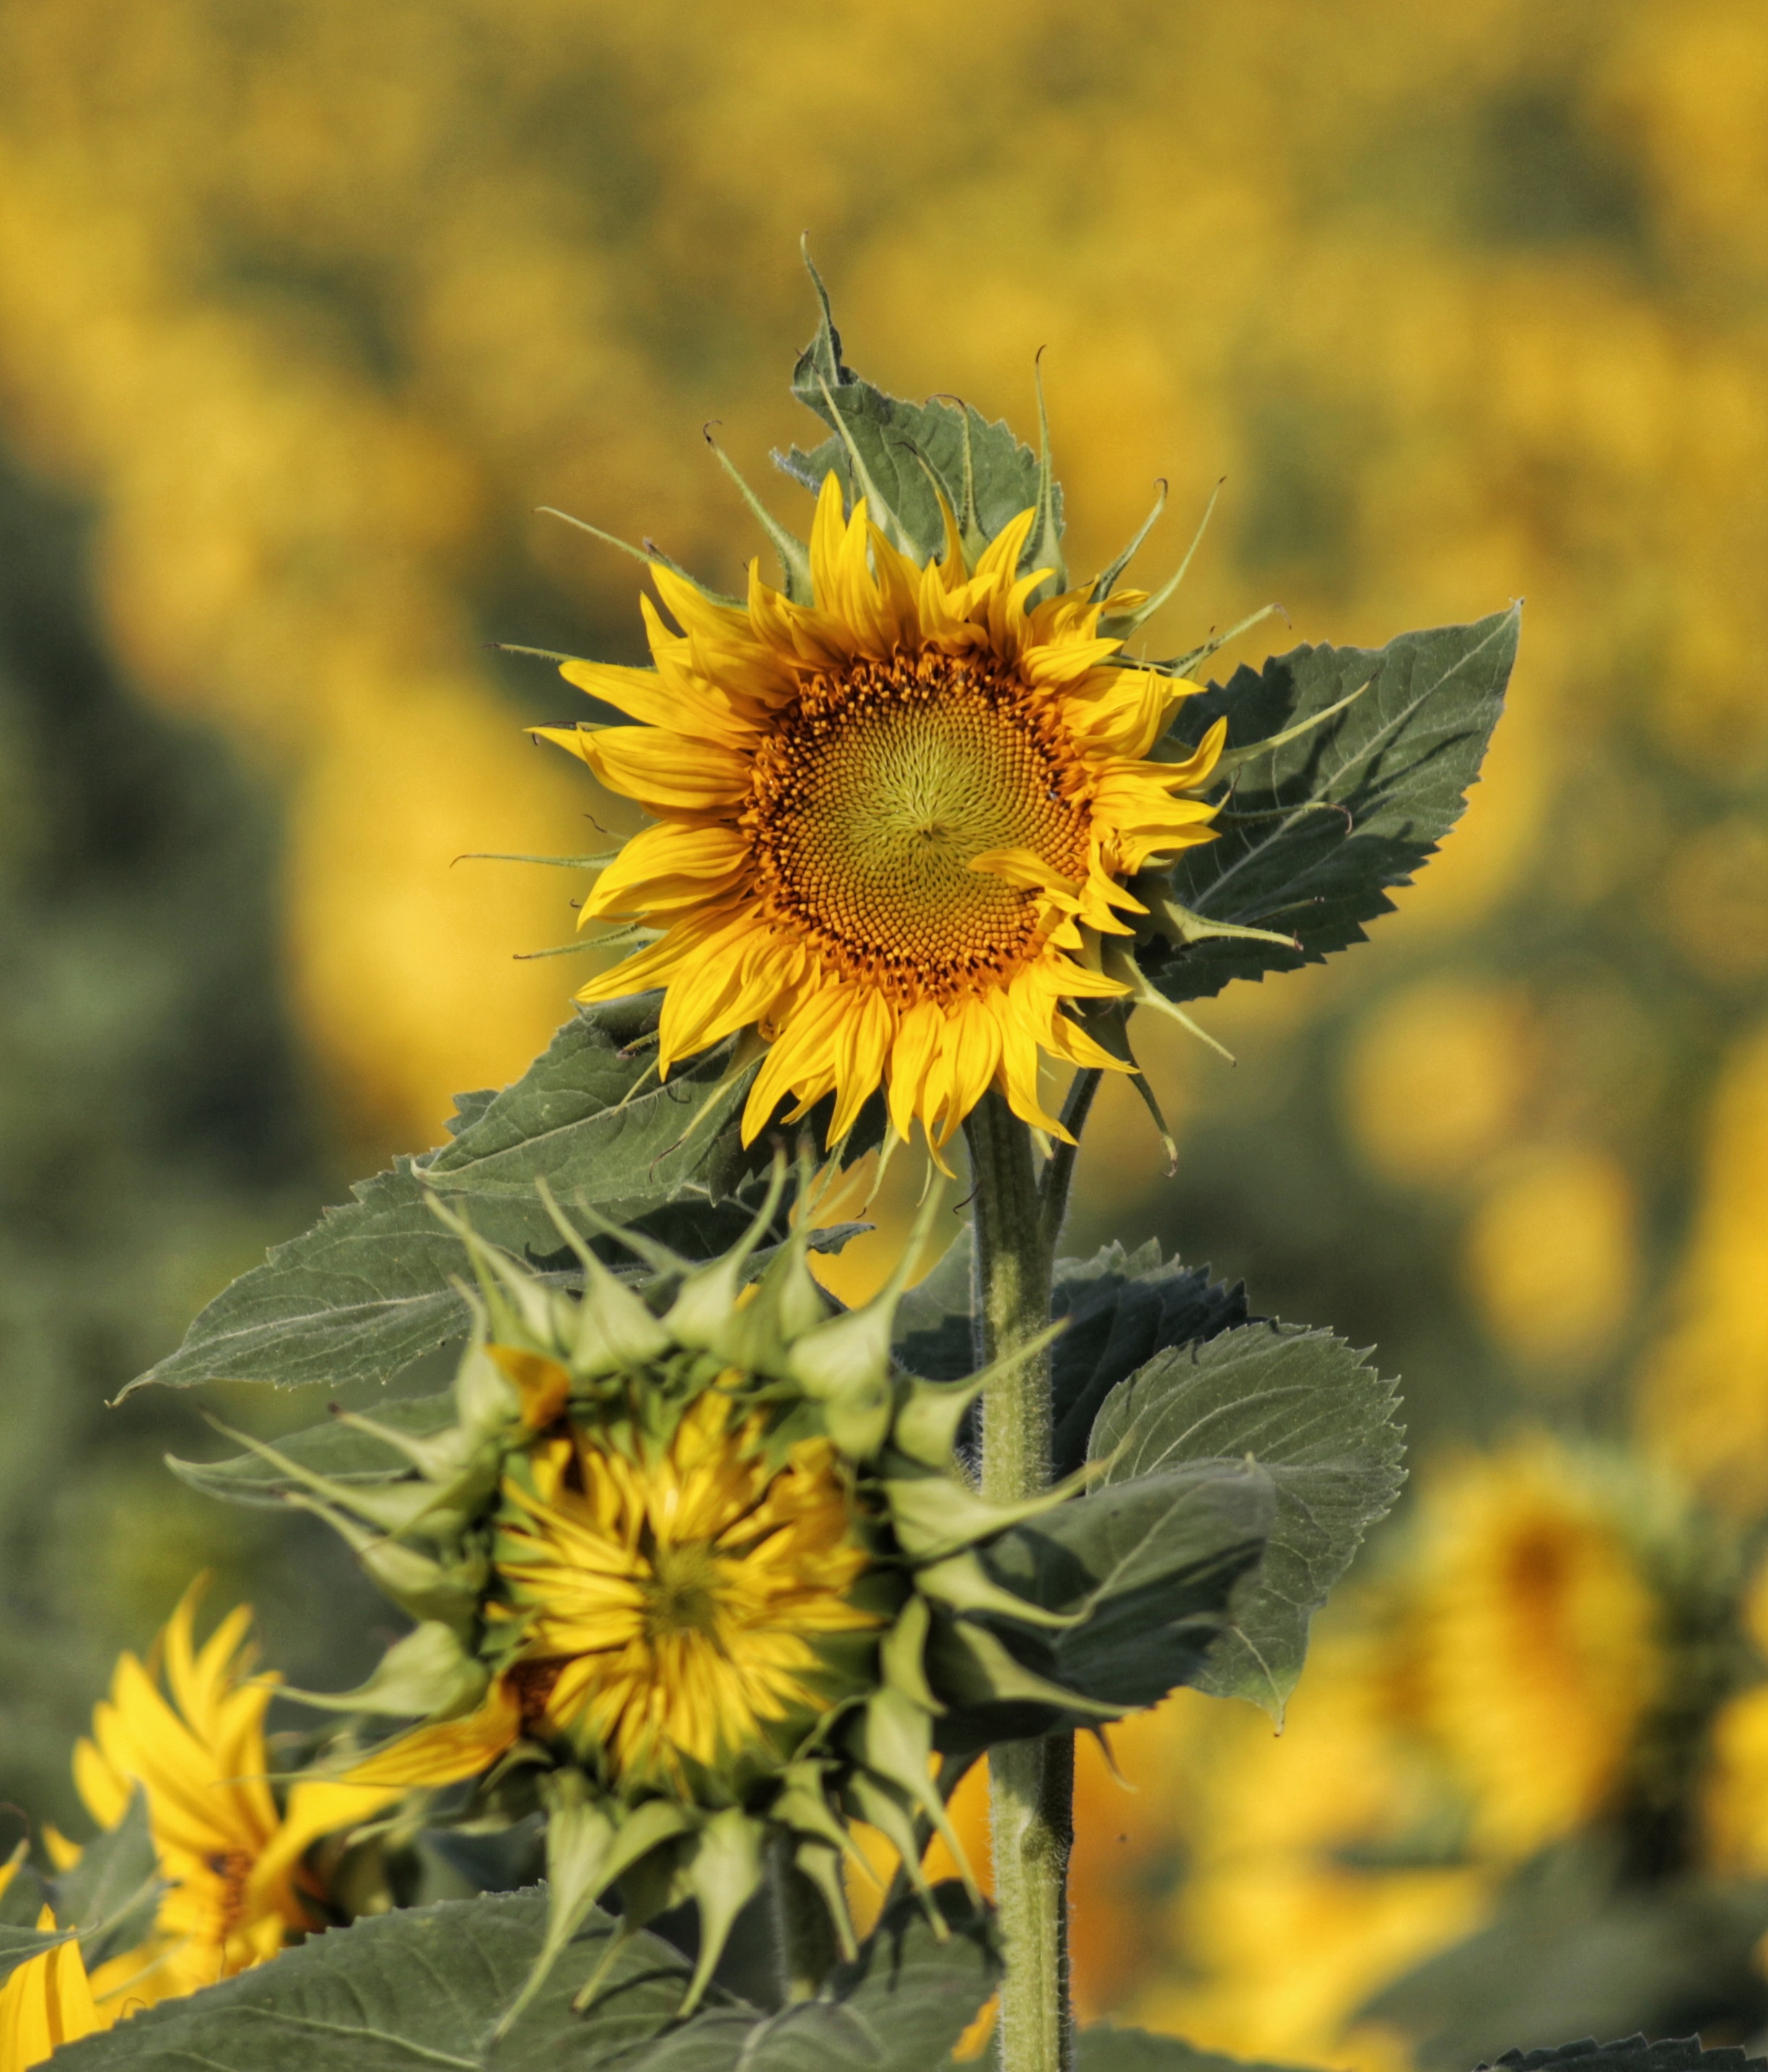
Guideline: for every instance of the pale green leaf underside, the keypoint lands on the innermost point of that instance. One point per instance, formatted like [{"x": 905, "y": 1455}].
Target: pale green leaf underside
[
  {"x": 1321, "y": 1424},
  {"x": 1317, "y": 833}
]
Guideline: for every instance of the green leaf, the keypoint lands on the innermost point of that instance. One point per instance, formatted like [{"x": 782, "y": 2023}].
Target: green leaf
[
  {"x": 18, "y": 1945},
  {"x": 1321, "y": 1424},
  {"x": 1151, "y": 1570},
  {"x": 889, "y": 434},
  {"x": 111, "y": 1894},
  {"x": 424, "y": 1988},
  {"x": 1104, "y": 2048},
  {"x": 342, "y": 1453},
  {"x": 1317, "y": 831},
  {"x": 369, "y": 1288},
  {"x": 1631, "y": 2054},
  {"x": 1120, "y": 1307}
]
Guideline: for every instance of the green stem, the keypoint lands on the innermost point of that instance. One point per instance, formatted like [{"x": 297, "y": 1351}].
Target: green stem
[
  {"x": 803, "y": 1934},
  {"x": 1031, "y": 1783}
]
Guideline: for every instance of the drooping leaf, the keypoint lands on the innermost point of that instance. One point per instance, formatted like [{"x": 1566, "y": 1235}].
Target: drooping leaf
[
  {"x": 1319, "y": 1421},
  {"x": 1577, "y": 1946},
  {"x": 1317, "y": 831},
  {"x": 1151, "y": 1570},
  {"x": 1103, "y": 2047},
  {"x": 889, "y": 434},
  {"x": 424, "y": 1988},
  {"x": 369, "y": 1288}
]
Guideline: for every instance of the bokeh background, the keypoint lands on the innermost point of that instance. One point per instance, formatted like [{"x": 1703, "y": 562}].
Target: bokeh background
[{"x": 304, "y": 308}]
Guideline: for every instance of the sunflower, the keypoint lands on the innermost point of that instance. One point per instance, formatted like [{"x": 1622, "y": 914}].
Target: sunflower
[
  {"x": 46, "y": 2001},
  {"x": 187, "y": 1728},
  {"x": 669, "y": 1601},
  {"x": 895, "y": 823},
  {"x": 696, "y": 1573}
]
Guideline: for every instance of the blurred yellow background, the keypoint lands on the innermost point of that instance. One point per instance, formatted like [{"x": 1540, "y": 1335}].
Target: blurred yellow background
[{"x": 306, "y": 306}]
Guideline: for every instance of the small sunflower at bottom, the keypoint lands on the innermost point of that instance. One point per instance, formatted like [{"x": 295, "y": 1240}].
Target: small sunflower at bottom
[{"x": 697, "y": 1571}]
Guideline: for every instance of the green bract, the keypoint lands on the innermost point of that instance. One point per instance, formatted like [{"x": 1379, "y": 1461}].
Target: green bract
[{"x": 696, "y": 1568}]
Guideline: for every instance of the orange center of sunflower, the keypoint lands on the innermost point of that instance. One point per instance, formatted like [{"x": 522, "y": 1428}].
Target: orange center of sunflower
[{"x": 874, "y": 796}]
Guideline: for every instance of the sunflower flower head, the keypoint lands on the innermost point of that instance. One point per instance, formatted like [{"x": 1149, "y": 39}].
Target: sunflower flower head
[
  {"x": 900, "y": 809},
  {"x": 186, "y": 1728},
  {"x": 692, "y": 1570},
  {"x": 46, "y": 2001}
]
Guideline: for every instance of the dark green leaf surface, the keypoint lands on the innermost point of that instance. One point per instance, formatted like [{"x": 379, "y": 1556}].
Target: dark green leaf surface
[
  {"x": 1318, "y": 1422},
  {"x": 423, "y": 1988},
  {"x": 1120, "y": 1308},
  {"x": 369, "y": 1288},
  {"x": 1104, "y": 2048},
  {"x": 1154, "y": 1567},
  {"x": 1632, "y": 2053},
  {"x": 1156, "y": 1563},
  {"x": 889, "y": 433},
  {"x": 1334, "y": 820}
]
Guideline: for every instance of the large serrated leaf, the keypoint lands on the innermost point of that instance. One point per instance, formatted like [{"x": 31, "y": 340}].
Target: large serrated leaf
[
  {"x": 370, "y": 1288},
  {"x": 889, "y": 434},
  {"x": 1319, "y": 1421},
  {"x": 1105, "y": 2048},
  {"x": 424, "y": 1988},
  {"x": 1318, "y": 831}
]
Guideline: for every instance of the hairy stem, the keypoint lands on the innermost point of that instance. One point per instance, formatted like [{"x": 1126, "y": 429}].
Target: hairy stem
[
  {"x": 1031, "y": 1781},
  {"x": 804, "y": 1934}
]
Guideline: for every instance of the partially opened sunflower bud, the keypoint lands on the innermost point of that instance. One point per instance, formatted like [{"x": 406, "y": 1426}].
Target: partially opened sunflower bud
[{"x": 691, "y": 1596}]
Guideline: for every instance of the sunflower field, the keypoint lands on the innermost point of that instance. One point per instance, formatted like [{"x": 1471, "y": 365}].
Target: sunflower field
[{"x": 360, "y": 371}]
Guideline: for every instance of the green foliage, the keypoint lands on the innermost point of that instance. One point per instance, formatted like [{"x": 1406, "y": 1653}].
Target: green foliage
[
  {"x": 426, "y": 1987},
  {"x": 371, "y": 1287},
  {"x": 1119, "y": 1308},
  {"x": 20, "y": 1942},
  {"x": 110, "y": 1895},
  {"x": 1318, "y": 1422},
  {"x": 1631, "y": 2054},
  {"x": 1151, "y": 1571},
  {"x": 107, "y": 1899},
  {"x": 1316, "y": 830},
  {"x": 985, "y": 472}
]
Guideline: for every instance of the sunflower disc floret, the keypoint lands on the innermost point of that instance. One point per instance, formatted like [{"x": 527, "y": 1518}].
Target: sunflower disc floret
[{"x": 694, "y": 1569}]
